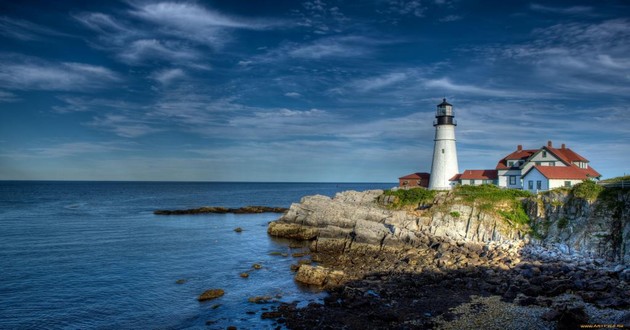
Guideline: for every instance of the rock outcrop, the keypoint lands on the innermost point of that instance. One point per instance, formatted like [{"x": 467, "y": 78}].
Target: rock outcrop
[
  {"x": 598, "y": 228},
  {"x": 221, "y": 210},
  {"x": 410, "y": 268},
  {"x": 357, "y": 217}
]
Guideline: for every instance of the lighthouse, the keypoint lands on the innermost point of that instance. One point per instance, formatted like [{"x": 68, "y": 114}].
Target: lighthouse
[{"x": 444, "y": 165}]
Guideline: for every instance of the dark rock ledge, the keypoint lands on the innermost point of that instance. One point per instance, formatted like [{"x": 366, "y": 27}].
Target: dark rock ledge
[{"x": 221, "y": 210}]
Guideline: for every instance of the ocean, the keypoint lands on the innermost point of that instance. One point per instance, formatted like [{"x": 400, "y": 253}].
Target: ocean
[{"x": 92, "y": 255}]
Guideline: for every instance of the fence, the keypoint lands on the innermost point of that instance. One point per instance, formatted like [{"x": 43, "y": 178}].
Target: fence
[{"x": 618, "y": 184}]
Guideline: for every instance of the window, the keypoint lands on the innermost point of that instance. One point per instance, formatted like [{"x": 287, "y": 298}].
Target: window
[
  {"x": 442, "y": 150},
  {"x": 530, "y": 185},
  {"x": 544, "y": 154},
  {"x": 567, "y": 183},
  {"x": 512, "y": 180},
  {"x": 538, "y": 184},
  {"x": 552, "y": 163},
  {"x": 472, "y": 181},
  {"x": 510, "y": 163},
  {"x": 537, "y": 163}
]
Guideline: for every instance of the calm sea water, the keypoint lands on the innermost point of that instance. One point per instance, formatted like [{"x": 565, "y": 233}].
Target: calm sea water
[{"x": 85, "y": 255}]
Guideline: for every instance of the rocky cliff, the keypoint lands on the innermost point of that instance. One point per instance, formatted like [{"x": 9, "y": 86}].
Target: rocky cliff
[
  {"x": 598, "y": 226},
  {"x": 408, "y": 267},
  {"x": 363, "y": 217}
]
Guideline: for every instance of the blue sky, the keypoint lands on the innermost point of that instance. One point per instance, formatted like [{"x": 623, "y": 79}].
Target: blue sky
[{"x": 333, "y": 91}]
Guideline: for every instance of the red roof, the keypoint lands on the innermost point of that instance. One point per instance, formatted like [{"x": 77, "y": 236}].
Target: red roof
[
  {"x": 478, "y": 175},
  {"x": 564, "y": 154},
  {"x": 565, "y": 172},
  {"x": 567, "y": 154},
  {"x": 516, "y": 155},
  {"x": 415, "y": 176},
  {"x": 455, "y": 177}
]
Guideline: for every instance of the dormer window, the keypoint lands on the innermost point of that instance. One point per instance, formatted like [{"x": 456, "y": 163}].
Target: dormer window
[
  {"x": 544, "y": 154},
  {"x": 510, "y": 163}
]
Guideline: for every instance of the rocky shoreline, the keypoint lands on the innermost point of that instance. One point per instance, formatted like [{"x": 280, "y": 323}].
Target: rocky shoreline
[{"x": 409, "y": 269}]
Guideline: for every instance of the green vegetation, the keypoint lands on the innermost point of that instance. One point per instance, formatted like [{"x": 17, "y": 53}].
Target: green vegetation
[
  {"x": 490, "y": 198},
  {"x": 455, "y": 214},
  {"x": 587, "y": 189},
  {"x": 563, "y": 223},
  {"x": 413, "y": 197},
  {"x": 489, "y": 193},
  {"x": 516, "y": 214}
]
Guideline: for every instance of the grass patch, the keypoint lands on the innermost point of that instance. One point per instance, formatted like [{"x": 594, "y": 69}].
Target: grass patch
[
  {"x": 414, "y": 196},
  {"x": 488, "y": 193},
  {"x": 516, "y": 215},
  {"x": 490, "y": 198},
  {"x": 587, "y": 189},
  {"x": 455, "y": 214}
]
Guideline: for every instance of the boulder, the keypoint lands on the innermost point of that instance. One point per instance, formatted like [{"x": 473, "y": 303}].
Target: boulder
[{"x": 211, "y": 294}]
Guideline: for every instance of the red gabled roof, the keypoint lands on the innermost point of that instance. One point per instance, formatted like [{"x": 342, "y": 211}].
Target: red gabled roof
[
  {"x": 565, "y": 172},
  {"x": 516, "y": 155},
  {"x": 455, "y": 177},
  {"x": 479, "y": 175},
  {"x": 567, "y": 154},
  {"x": 416, "y": 176}
]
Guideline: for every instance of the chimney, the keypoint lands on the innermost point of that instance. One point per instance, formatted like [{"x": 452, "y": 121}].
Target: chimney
[
  {"x": 549, "y": 144},
  {"x": 519, "y": 147},
  {"x": 563, "y": 146}
]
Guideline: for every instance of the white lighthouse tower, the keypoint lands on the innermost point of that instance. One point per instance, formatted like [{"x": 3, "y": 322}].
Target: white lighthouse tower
[{"x": 444, "y": 164}]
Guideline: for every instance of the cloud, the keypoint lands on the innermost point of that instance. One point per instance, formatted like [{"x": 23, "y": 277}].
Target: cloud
[
  {"x": 374, "y": 83},
  {"x": 26, "y": 31},
  {"x": 78, "y": 148},
  {"x": 167, "y": 76},
  {"x": 332, "y": 47},
  {"x": 561, "y": 10},
  {"x": 23, "y": 73},
  {"x": 450, "y": 18},
  {"x": 322, "y": 18},
  {"x": 146, "y": 51},
  {"x": 7, "y": 97},
  {"x": 445, "y": 84},
  {"x": 85, "y": 104},
  {"x": 578, "y": 57},
  {"x": 293, "y": 94},
  {"x": 123, "y": 125},
  {"x": 194, "y": 22}
]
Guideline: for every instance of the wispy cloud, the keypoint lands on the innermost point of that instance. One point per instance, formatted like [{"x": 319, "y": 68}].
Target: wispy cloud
[
  {"x": 92, "y": 104},
  {"x": 167, "y": 76},
  {"x": 292, "y": 94},
  {"x": 79, "y": 148},
  {"x": 7, "y": 97},
  {"x": 374, "y": 83},
  {"x": 123, "y": 125},
  {"x": 27, "y": 31},
  {"x": 24, "y": 73},
  {"x": 450, "y": 18},
  {"x": 572, "y": 10},
  {"x": 321, "y": 18},
  {"x": 147, "y": 51},
  {"x": 194, "y": 22}
]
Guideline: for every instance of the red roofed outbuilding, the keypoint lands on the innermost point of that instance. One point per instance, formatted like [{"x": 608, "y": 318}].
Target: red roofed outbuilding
[
  {"x": 476, "y": 177},
  {"x": 414, "y": 180}
]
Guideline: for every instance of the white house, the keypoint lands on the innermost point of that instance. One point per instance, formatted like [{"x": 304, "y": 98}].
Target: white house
[
  {"x": 536, "y": 169},
  {"x": 542, "y": 178}
]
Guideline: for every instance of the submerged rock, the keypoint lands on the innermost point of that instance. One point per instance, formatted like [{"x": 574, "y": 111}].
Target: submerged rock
[
  {"x": 220, "y": 209},
  {"x": 211, "y": 294}
]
